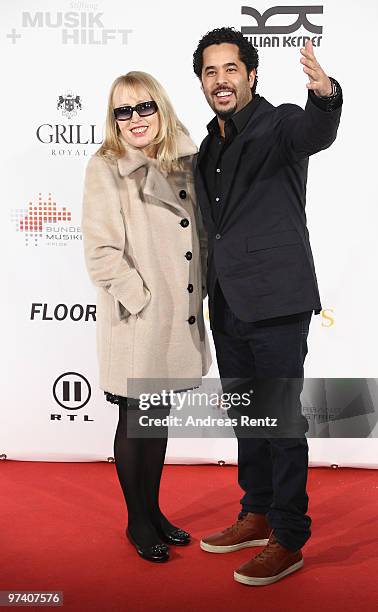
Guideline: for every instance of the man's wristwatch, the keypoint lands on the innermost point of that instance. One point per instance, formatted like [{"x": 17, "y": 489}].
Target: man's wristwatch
[
  {"x": 335, "y": 90},
  {"x": 328, "y": 103}
]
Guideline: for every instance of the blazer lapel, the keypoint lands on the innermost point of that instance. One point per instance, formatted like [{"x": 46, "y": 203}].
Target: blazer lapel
[{"x": 202, "y": 195}]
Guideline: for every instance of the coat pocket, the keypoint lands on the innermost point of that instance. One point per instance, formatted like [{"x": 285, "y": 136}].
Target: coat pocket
[
  {"x": 121, "y": 311},
  {"x": 269, "y": 241}
]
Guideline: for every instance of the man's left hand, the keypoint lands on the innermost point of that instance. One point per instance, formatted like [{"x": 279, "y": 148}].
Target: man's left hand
[{"x": 319, "y": 82}]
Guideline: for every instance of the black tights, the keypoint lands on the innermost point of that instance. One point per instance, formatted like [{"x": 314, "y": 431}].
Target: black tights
[{"x": 139, "y": 463}]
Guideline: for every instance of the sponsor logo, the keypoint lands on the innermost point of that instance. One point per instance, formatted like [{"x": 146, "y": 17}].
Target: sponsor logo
[
  {"x": 46, "y": 223},
  {"x": 40, "y": 311},
  {"x": 72, "y": 392},
  {"x": 74, "y": 27},
  {"x": 264, "y": 34},
  {"x": 68, "y": 139},
  {"x": 69, "y": 105},
  {"x": 328, "y": 319}
]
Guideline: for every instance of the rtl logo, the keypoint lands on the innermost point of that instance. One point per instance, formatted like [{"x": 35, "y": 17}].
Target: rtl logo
[{"x": 72, "y": 392}]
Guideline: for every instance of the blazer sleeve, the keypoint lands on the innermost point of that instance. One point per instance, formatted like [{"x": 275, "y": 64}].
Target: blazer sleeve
[
  {"x": 305, "y": 132},
  {"x": 103, "y": 227}
]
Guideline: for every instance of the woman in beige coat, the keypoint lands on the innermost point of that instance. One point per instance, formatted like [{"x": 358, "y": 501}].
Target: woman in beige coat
[{"x": 145, "y": 250}]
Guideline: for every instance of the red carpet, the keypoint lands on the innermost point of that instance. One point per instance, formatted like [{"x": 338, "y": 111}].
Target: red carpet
[{"x": 62, "y": 528}]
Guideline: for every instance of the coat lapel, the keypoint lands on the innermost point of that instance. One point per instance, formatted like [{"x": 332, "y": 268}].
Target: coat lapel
[
  {"x": 157, "y": 182},
  {"x": 157, "y": 186}
]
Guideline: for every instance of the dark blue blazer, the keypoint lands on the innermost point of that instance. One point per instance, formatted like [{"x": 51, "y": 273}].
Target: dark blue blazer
[{"x": 259, "y": 248}]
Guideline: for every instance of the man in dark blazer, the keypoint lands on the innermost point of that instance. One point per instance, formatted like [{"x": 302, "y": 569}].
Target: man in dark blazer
[{"x": 251, "y": 176}]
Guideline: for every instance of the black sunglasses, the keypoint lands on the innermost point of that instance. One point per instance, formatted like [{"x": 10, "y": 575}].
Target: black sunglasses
[{"x": 144, "y": 109}]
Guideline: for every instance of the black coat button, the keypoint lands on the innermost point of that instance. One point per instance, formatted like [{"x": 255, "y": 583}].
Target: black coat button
[
  {"x": 184, "y": 222},
  {"x": 190, "y": 288},
  {"x": 182, "y": 194},
  {"x": 188, "y": 255},
  {"x": 192, "y": 320}
]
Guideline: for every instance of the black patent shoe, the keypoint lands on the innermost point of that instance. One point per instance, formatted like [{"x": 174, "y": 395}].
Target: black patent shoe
[
  {"x": 157, "y": 552},
  {"x": 175, "y": 537}
]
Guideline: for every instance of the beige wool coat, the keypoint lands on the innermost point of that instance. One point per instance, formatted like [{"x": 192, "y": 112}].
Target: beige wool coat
[{"x": 145, "y": 250}]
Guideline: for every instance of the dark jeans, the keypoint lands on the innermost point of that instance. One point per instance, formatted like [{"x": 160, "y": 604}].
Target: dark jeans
[{"x": 272, "y": 471}]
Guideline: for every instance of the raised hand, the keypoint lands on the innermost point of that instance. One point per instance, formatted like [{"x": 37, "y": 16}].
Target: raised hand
[{"x": 319, "y": 82}]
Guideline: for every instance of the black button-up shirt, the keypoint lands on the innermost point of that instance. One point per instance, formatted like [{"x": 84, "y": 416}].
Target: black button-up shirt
[{"x": 212, "y": 163}]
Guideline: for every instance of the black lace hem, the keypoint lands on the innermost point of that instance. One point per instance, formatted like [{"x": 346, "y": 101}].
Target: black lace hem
[
  {"x": 113, "y": 399},
  {"x": 116, "y": 399}
]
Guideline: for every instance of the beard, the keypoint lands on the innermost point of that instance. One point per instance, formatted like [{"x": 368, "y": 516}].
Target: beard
[
  {"x": 226, "y": 114},
  {"x": 220, "y": 113}
]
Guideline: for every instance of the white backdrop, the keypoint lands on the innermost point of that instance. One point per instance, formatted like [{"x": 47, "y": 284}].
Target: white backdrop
[{"x": 74, "y": 50}]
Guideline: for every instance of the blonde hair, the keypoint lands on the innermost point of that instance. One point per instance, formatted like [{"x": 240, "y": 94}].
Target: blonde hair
[{"x": 165, "y": 142}]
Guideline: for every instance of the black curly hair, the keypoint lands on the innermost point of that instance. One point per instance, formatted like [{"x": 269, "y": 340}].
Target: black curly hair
[{"x": 248, "y": 54}]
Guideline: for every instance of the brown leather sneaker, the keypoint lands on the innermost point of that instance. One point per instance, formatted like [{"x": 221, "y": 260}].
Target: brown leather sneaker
[
  {"x": 250, "y": 530},
  {"x": 271, "y": 564}
]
